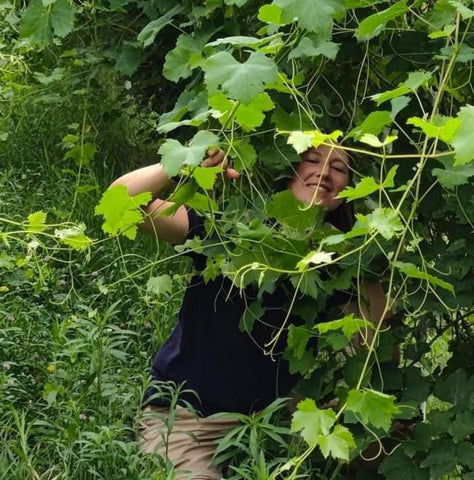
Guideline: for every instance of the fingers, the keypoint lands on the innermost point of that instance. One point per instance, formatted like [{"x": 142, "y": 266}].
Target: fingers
[{"x": 218, "y": 157}]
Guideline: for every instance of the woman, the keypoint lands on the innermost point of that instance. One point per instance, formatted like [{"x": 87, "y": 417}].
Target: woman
[{"x": 227, "y": 368}]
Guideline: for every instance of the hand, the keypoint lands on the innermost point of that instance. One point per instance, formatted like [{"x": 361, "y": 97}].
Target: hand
[{"x": 218, "y": 157}]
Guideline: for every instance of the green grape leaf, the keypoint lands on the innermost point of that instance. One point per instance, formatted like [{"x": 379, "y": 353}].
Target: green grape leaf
[
  {"x": 456, "y": 389},
  {"x": 40, "y": 23},
  {"x": 441, "y": 127},
  {"x": 307, "y": 48},
  {"x": 374, "y": 408},
  {"x": 159, "y": 285},
  {"x": 465, "y": 454},
  {"x": 372, "y": 26},
  {"x": 248, "y": 116},
  {"x": 441, "y": 458},
  {"x": 205, "y": 176},
  {"x": 462, "y": 427},
  {"x": 121, "y": 212},
  {"x": 374, "y": 141},
  {"x": 313, "y": 15},
  {"x": 451, "y": 176},
  {"x": 240, "y": 81},
  {"x": 306, "y": 283},
  {"x": 243, "y": 154},
  {"x": 129, "y": 58},
  {"x": 150, "y": 31},
  {"x": 412, "y": 271},
  {"x": 74, "y": 237},
  {"x": 270, "y": 14},
  {"x": 384, "y": 221},
  {"x": 300, "y": 141},
  {"x": 298, "y": 220},
  {"x": 349, "y": 325},
  {"x": 174, "y": 155},
  {"x": 462, "y": 141},
  {"x": 374, "y": 123},
  {"x": 368, "y": 185},
  {"x": 399, "y": 465},
  {"x": 82, "y": 154},
  {"x": 411, "y": 84},
  {"x": 337, "y": 444},
  {"x": 187, "y": 55},
  {"x": 312, "y": 421},
  {"x": 298, "y": 338},
  {"x": 36, "y": 222}
]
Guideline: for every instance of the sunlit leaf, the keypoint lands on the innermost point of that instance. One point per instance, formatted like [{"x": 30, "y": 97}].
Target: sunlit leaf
[
  {"x": 121, "y": 212},
  {"x": 372, "y": 407},
  {"x": 314, "y": 258},
  {"x": 349, "y": 325},
  {"x": 36, "y": 222},
  {"x": 312, "y": 421},
  {"x": 462, "y": 141},
  {"x": 74, "y": 237},
  {"x": 337, "y": 444}
]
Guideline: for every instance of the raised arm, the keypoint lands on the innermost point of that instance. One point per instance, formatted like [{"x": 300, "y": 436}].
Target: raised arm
[{"x": 172, "y": 228}]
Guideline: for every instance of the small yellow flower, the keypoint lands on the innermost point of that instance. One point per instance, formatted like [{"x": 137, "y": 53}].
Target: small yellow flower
[
  {"x": 50, "y": 368},
  {"x": 4, "y": 288}
]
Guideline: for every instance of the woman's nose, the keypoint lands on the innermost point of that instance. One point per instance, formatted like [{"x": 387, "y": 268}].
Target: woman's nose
[{"x": 323, "y": 170}]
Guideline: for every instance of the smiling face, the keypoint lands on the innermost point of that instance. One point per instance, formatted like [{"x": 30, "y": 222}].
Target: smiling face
[{"x": 322, "y": 173}]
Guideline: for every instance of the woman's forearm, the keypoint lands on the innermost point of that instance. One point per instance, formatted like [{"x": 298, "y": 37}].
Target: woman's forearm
[{"x": 147, "y": 179}]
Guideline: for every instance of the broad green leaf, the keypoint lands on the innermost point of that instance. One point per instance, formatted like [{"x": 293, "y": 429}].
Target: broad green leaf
[
  {"x": 398, "y": 104},
  {"x": 206, "y": 176},
  {"x": 129, "y": 58},
  {"x": 456, "y": 389},
  {"x": 349, "y": 325},
  {"x": 365, "y": 187},
  {"x": 36, "y": 222},
  {"x": 462, "y": 427},
  {"x": 441, "y": 127},
  {"x": 74, "y": 237},
  {"x": 174, "y": 155},
  {"x": 248, "y": 116},
  {"x": 441, "y": 459},
  {"x": 411, "y": 84},
  {"x": 55, "y": 76},
  {"x": 337, "y": 444},
  {"x": 451, "y": 176},
  {"x": 240, "y": 41},
  {"x": 372, "y": 407},
  {"x": 464, "y": 53},
  {"x": 298, "y": 338},
  {"x": 240, "y": 81},
  {"x": 374, "y": 123},
  {"x": 311, "y": 421},
  {"x": 313, "y": 15},
  {"x": 301, "y": 141},
  {"x": 187, "y": 55},
  {"x": 187, "y": 195},
  {"x": 417, "y": 79},
  {"x": 464, "y": 11},
  {"x": 314, "y": 258},
  {"x": 373, "y": 25},
  {"x": 150, "y": 31},
  {"x": 465, "y": 454},
  {"x": 462, "y": 141},
  {"x": 41, "y": 23},
  {"x": 159, "y": 285},
  {"x": 398, "y": 465},
  {"x": 270, "y": 14},
  {"x": 82, "y": 154},
  {"x": 307, "y": 48},
  {"x": 298, "y": 221},
  {"x": 384, "y": 221},
  {"x": 121, "y": 212},
  {"x": 412, "y": 271}
]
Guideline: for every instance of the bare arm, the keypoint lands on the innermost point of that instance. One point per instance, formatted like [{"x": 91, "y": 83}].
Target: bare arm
[{"x": 172, "y": 228}]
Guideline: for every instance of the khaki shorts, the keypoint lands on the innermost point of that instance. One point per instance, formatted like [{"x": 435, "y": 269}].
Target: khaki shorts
[{"x": 191, "y": 444}]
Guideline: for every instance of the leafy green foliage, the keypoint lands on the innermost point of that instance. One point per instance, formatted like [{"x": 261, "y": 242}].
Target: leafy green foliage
[
  {"x": 121, "y": 212},
  {"x": 375, "y": 408}
]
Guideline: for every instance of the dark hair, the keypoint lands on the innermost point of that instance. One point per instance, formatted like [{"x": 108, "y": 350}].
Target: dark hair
[{"x": 343, "y": 217}]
